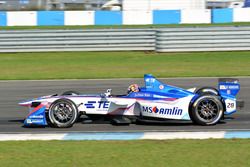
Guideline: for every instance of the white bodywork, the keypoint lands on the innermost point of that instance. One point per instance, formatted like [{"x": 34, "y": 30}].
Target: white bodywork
[{"x": 168, "y": 109}]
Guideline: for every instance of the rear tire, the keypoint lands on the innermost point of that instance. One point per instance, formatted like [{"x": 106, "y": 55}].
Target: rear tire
[
  {"x": 206, "y": 110},
  {"x": 207, "y": 91},
  {"x": 63, "y": 113}
]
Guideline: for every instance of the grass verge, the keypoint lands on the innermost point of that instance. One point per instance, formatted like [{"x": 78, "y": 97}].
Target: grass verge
[
  {"x": 177, "y": 153},
  {"x": 82, "y": 65}
]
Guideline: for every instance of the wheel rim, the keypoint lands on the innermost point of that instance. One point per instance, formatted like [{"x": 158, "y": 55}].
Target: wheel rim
[
  {"x": 208, "y": 110},
  {"x": 62, "y": 113}
]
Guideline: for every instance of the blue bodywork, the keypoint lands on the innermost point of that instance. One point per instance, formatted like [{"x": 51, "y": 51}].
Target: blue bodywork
[
  {"x": 247, "y": 4},
  {"x": 155, "y": 90},
  {"x": 36, "y": 116},
  {"x": 229, "y": 90}
]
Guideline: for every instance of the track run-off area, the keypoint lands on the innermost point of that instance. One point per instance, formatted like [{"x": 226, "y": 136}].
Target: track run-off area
[{"x": 12, "y": 115}]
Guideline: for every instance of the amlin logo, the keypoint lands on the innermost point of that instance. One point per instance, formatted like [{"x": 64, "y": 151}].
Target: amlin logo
[{"x": 163, "y": 111}]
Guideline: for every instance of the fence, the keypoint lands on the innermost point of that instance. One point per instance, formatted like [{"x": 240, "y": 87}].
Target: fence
[
  {"x": 160, "y": 40},
  {"x": 51, "y": 18}
]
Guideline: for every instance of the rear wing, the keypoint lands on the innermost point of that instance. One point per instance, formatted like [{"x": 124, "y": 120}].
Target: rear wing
[{"x": 229, "y": 86}]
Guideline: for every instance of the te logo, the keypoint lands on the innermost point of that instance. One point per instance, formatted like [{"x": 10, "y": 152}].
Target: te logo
[{"x": 97, "y": 104}]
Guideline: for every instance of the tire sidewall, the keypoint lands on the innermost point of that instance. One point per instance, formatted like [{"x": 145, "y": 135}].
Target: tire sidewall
[
  {"x": 55, "y": 122},
  {"x": 70, "y": 93},
  {"x": 195, "y": 117}
]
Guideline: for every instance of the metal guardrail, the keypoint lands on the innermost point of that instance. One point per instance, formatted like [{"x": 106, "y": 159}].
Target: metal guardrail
[
  {"x": 203, "y": 39},
  {"x": 160, "y": 40},
  {"x": 77, "y": 40}
]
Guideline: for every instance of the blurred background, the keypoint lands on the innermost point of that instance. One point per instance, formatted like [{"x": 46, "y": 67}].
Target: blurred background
[{"x": 34, "y": 5}]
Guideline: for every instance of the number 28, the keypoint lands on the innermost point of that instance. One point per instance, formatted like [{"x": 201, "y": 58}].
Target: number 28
[{"x": 230, "y": 105}]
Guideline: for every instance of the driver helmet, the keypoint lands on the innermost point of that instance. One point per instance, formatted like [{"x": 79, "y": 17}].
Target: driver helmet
[{"x": 133, "y": 88}]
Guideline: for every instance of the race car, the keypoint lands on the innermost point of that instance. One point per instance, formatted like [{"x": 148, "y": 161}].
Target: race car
[{"x": 154, "y": 101}]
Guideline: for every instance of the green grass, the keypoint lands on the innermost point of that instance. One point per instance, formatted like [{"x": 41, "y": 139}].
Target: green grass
[
  {"x": 176, "y": 153},
  {"x": 122, "y": 26},
  {"x": 80, "y": 65}
]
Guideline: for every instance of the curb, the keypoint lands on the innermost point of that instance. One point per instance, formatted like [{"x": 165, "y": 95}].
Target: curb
[{"x": 127, "y": 136}]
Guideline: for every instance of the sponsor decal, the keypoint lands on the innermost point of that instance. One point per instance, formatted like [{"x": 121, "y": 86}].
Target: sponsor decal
[
  {"x": 97, "y": 104},
  {"x": 150, "y": 80},
  {"x": 159, "y": 96},
  {"x": 161, "y": 87},
  {"x": 29, "y": 121},
  {"x": 162, "y": 111},
  {"x": 34, "y": 121},
  {"x": 90, "y": 104},
  {"x": 142, "y": 95},
  {"x": 223, "y": 87},
  {"x": 36, "y": 116}
]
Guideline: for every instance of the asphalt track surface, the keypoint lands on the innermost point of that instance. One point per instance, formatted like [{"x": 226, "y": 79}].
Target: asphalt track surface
[{"x": 12, "y": 115}]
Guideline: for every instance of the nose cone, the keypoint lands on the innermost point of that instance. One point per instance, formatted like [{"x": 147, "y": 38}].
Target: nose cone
[{"x": 25, "y": 103}]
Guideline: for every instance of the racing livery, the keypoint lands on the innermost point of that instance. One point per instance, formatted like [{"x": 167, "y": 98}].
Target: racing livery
[{"x": 156, "y": 100}]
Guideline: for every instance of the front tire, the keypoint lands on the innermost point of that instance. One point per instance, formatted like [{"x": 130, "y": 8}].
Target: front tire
[
  {"x": 63, "y": 113},
  {"x": 206, "y": 110},
  {"x": 70, "y": 93}
]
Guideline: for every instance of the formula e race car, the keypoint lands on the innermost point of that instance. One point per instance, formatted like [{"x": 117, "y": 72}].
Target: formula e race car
[{"x": 154, "y": 101}]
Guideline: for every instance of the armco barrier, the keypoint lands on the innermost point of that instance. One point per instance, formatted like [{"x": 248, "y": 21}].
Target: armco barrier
[
  {"x": 203, "y": 39},
  {"x": 77, "y": 40},
  {"x": 160, "y": 40}
]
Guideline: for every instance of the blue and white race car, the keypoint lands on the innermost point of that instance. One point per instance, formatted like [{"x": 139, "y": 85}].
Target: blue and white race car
[{"x": 154, "y": 101}]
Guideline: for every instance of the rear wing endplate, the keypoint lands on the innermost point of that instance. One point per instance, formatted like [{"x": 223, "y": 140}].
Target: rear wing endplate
[{"x": 230, "y": 86}]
